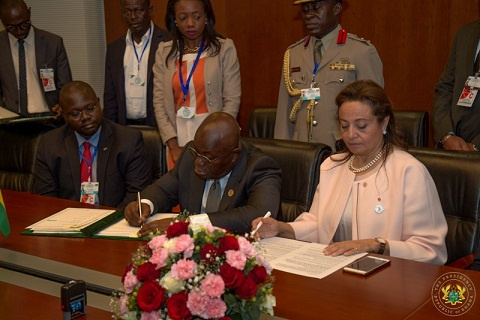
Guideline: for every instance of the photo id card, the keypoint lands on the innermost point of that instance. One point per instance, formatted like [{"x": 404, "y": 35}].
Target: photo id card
[
  {"x": 186, "y": 112},
  {"x": 48, "y": 79},
  {"x": 89, "y": 192},
  {"x": 310, "y": 94},
  {"x": 467, "y": 97},
  {"x": 136, "y": 85}
]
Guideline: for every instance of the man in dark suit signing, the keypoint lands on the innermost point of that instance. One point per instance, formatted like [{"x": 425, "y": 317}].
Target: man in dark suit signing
[
  {"x": 232, "y": 182},
  {"x": 90, "y": 159},
  {"x": 128, "y": 93},
  {"x": 32, "y": 60}
]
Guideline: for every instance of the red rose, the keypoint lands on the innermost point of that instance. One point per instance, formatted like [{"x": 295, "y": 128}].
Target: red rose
[
  {"x": 177, "y": 306},
  {"x": 209, "y": 249},
  {"x": 232, "y": 277},
  {"x": 247, "y": 289},
  {"x": 258, "y": 274},
  {"x": 228, "y": 243},
  {"x": 151, "y": 296},
  {"x": 177, "y": 229},
  {"x": 127, "y": 270},
  {"x": 147, "y": 272}
]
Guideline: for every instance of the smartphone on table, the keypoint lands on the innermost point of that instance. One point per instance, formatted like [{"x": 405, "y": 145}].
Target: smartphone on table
[{"x": 366, "y": 265}]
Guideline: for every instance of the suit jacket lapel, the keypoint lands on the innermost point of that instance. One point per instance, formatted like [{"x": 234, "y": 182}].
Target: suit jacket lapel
[
  {"x": 105, "y": 142},
  {"x": 234, "y": 181},
  {"x": 71, "y": 145},
  {"x": 196, "y": 185},
  {"x": 332, "y": 51},
  {"x": 7, "y": 59},
  {"x": 472, "y": 50},
  {"x": 119, "y": 75},
  {"x": 41, "y": 47}
]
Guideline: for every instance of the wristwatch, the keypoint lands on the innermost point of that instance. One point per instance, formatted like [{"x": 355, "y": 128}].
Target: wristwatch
[
  {"x": 383, "y": 244},
  {"x": 448, "y": 136}
]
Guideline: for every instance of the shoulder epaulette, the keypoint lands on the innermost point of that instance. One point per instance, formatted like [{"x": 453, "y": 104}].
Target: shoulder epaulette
[
  {"x": 357, "y": 38},
  {"x": 300, "y": 42}
]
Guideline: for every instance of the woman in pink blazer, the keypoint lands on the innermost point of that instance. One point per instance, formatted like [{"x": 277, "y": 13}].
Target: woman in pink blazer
[{"x": 373, "y": 196}]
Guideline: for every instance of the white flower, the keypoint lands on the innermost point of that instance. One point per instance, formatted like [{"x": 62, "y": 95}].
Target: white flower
[
  {"x": 171, "y": 284},
  {"x": 269, "y": 303},
  {"x": 170, "y": 244},
  {"x": 132, "y": 315},
  {"x": 196, "y": 228}
]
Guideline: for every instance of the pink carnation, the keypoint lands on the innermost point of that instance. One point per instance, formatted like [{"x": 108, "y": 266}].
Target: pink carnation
[
  {"x": 154, "y": 315},
  {"x": 236, "y": 259},
  {"x": 157, "y": 242},
  {"x": 246, "y": 247},
  {"x": 262, "y": 261},
  {"x": 159, "y": 258},
  {"x": 123, "y": 303},
  {"x": 213, "y": 286},
  {"x": 216, "y": 308},
  {"x": 184, "y": 244},
  {"x": 130, "y": 281},
  {"x": 184, "y": 269},
  {"x": 197, "y": 302}
]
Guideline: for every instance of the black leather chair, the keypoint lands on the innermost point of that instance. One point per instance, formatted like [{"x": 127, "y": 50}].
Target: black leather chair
[
  {"x": 261, "y": 123},
  {"x": 300, "y": 163},
  {"x": 457, "y": 177},
  {"x": 155, "y": 149},
  {"x": 413, "y": 125},
  {"x": 18, "y": 145}
]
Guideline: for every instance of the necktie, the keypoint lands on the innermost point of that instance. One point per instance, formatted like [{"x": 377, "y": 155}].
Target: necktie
[
  {"x": 22, "y": 79},
  {"x": 318, "y": 51},
  {"x": 214, "y": 197},
  {"x": 83, "y": 165}
]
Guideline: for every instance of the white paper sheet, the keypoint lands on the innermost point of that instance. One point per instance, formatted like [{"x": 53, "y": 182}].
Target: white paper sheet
[
  {"x": 70, "y": 220},
  {"x": 123, "y": 229},
  {"x": 303, "y": 258}
]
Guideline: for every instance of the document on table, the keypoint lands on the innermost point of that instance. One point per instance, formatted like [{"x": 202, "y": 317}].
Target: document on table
[
  {"x": 123, "y": 229},
  {"x": 69, "y": 220},
  {"x": 303, "y": 258}
]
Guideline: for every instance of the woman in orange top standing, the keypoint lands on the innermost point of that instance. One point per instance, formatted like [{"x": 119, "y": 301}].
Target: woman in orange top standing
[{"x": 195, "y": 74}]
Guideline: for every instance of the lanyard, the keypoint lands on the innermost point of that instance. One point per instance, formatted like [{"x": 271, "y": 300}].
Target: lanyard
[
  {"x": 144, "y": 47},
  {"x": 314, "y": 71},
  {"x": 89, "y": 165},
  {"x": 182, "y": 83}
]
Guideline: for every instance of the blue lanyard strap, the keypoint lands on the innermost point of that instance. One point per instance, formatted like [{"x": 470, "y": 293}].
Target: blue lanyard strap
[
  {"x": 93, "y": 156},
  {"x": 144, "y": 47},
  {"x": 182, "y": 83}
]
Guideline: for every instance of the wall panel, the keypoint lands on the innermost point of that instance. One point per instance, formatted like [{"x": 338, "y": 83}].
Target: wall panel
[{"x": 412, "y": 37}]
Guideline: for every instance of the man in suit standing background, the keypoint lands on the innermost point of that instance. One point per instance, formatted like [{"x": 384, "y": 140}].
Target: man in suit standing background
[
  {"x": 128, "y": 90},
  {"x": 306, "y": 109},
  {"x": 456, "y": 110},
  {"x": 90, "y": 159},
  {"x": 32, "y": 60}
]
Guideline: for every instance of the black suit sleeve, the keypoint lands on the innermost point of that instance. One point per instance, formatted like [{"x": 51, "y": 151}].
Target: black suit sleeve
[
  {"x": 110, "y": 106},
  {"x": 44, "y": 180}
]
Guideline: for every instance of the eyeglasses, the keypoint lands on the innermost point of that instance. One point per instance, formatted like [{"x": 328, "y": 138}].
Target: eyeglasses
[
  {"x": 24, "y": 25},
  {"x": 205, "y": 158},
  {"x": 76, "y": 115}
]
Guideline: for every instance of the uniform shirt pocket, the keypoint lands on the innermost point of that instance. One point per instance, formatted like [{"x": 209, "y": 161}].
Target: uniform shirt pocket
[{"x": 341, "y": 77}]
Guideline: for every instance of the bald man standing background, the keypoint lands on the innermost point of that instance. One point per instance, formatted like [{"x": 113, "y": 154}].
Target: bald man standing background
[{"x": 249, "y": 181}]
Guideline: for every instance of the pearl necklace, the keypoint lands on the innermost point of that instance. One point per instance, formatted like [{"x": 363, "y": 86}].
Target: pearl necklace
[{"x": 368, "y": 165}]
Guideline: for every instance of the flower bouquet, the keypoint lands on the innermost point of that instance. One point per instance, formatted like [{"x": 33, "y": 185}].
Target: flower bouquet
[{"x": 196, "y": 272}]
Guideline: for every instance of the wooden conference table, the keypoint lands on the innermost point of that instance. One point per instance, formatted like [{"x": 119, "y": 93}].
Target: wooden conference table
[{"x": 399, "y": 291}]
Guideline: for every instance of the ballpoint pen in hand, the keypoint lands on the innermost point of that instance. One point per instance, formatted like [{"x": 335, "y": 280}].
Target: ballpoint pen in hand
[
  {"x": 139, "y": 206},
  {"x": 268, "y": 214}
]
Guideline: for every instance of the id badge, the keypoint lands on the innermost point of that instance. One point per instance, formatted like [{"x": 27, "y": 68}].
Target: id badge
[
  {"x": 186, "y": 112},
  {"x": 136, "y": 86},
  {"x": 89, "y": 192},
  {"x": 48, "y": 79},
  {"x": 467, "y": 97},
  {"x": 310, "y": 94}
]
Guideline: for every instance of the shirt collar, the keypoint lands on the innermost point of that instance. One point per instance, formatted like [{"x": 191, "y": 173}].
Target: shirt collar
[
  {"x": 128, "y": 38},
  {"x": 29, "y": 40},
  {"x": 93, "y": 140},
  {"x": 329, "y": 37}
]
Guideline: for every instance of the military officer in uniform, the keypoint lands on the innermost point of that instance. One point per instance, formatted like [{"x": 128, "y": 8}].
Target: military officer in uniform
[{"x": 316, "y": 69}]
